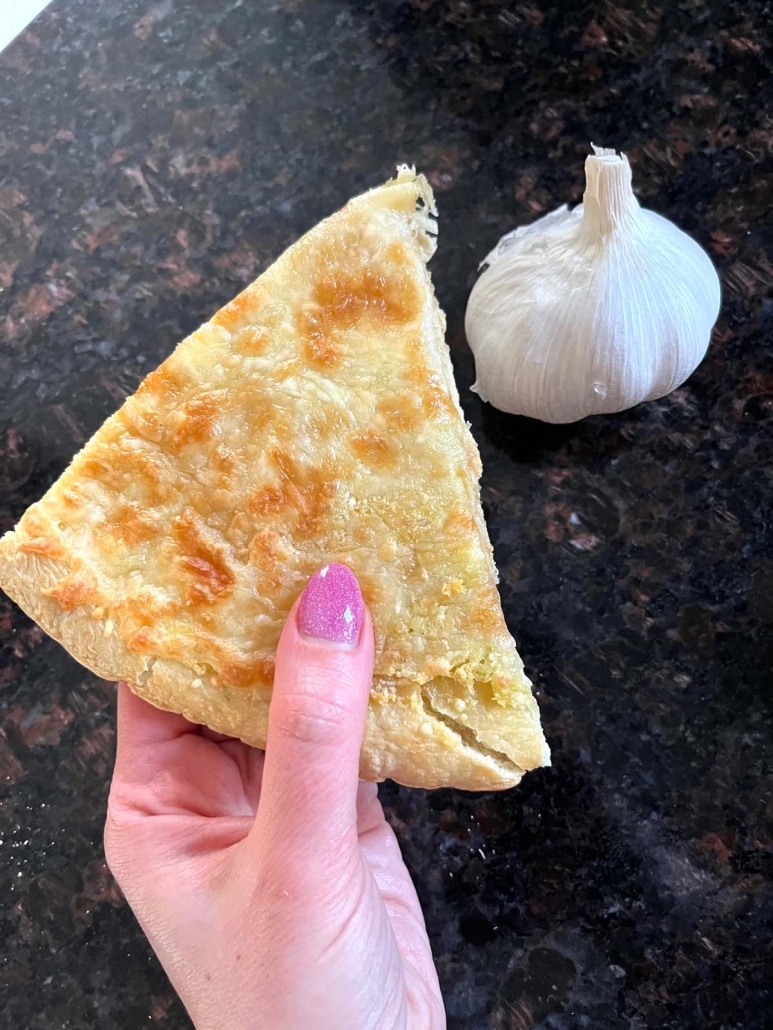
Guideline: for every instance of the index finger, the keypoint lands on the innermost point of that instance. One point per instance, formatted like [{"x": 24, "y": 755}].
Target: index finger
[{"x": 141, "y": 728}]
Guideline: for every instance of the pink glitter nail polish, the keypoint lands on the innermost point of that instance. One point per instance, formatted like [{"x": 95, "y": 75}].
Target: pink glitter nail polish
[{"x": 331, "y": 606}]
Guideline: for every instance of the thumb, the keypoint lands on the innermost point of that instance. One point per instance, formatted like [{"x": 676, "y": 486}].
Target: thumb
[{"x": 316, "y": 721}]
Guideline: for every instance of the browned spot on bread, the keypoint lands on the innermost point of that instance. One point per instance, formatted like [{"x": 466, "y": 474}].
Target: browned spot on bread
[
  {"x": 267, "y": 501},
  {"x": 402, "y": 412},
  {"x": 94, "y": 467},
  {"x": 250, "y": 672},
  {"x": 145, "y": 413},
  {"x": 265, "y": 547},
  {"x": 437, "y": 403},
  {"x": 210, "y": 580},
  {"x": 133, "y": 467},
  {"x": 239, "y": 312},
  {"x": 331, "y": 421},
  {"x": 225, "y": 462},
  {"x": 141, "y": 641},
  {"x": 252, "y": 342},
  {"x": 76, "y": 589},
  {"x": 71, "y": 499},
  {"x": 267, "y": 554},
  {"x": 300, "y": 491},
  {"x": 205, "y": 618},
  {"x": 382, "y": 291},
  {"x": 459, "y": 529},
  {"x": 398, "y": 256},
  {"x": 285, "y": 370},
  {"x": 318, "y": 346},
  {"x": 305, "y": 491},
  {"x": 374, "y": 450},
  {"x": 46, "y": 546},
  {"x": 205, "y": 564},
  {"x": 488, "y": 618},
  {"x": 145, "y": 609},
  {"x": 161, "y": 387},
  {"x": 196, "y": 420},
  {"x": 129, "y": 525},
  {"x": 36, "y": 536},
  {"x": 347, "y": 297}
]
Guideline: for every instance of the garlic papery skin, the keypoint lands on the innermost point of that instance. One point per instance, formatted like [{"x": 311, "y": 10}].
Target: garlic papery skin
[{"x": 593, "y": 310}]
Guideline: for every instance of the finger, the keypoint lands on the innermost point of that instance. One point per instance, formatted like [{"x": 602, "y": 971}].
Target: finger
[
  {"x": 166, "y": 766},
  {"x": 324, "y": 668},
  {"x": 141, "y": 727},
  {"x": 141, "y": 730}
]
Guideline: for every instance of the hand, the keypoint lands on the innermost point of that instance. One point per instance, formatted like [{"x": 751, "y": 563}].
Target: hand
[{"x": 270, "y": 885}]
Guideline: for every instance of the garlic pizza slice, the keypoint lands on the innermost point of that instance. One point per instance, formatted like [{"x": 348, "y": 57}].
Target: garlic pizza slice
[{"x": 314, "y": 419}]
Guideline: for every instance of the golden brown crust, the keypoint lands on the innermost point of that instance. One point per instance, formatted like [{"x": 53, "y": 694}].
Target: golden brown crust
[{"x": 314, "y": 419}]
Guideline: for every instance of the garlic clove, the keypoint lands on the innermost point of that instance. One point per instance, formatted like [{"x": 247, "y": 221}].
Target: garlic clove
[{"x": 592, "y": 310}]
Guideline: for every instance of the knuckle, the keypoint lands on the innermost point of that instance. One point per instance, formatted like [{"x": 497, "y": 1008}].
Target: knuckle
[{"x": 311, "y": 719}]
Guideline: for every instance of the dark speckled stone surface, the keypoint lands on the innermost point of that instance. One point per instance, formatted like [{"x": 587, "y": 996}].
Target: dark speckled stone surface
[{"x": 154, "y": 156}]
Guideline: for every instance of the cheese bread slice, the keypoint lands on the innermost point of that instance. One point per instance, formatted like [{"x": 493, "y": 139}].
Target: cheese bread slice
[{"x": 314, "y": 419}]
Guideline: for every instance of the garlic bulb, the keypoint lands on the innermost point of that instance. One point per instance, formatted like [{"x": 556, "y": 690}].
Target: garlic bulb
[{"x": 591, "y": 310}]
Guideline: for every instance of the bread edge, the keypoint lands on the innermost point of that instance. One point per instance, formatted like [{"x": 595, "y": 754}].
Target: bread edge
[{"x": 421, "y": 751}]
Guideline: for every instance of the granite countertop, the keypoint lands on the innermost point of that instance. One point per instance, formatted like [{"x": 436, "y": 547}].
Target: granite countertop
[{"x": 157, "y": 154}]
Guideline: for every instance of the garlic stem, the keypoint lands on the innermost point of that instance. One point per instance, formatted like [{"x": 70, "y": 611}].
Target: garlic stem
[{"x": 608, "y": 200}]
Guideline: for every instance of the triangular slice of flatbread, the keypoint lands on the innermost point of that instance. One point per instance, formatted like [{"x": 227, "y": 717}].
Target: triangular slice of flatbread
[{"x": 314, "y": 419}]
